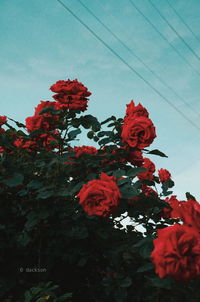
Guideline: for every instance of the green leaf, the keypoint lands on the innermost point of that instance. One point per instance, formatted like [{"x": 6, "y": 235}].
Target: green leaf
[
  {"x": 32, "y": 220},
  {"x": 166, "y": 185},
  {"x": 96, "y": 127},
  {"x": 128, "y": 192},
  {"x": 112, "y": 118},
  {"x": 89, "y": 121},
  {"x": 126, "y": 282},
  {"x": 27, "y": 296},
  {"x": 20, "y": 125},
  {"x": 76, "y": 122},
  {"x": 134, "y": 171},
  {"x": 104, "y": 141},
  {"x": 123, "y": 181},
  {"x": 16, "y": 180},
  {"x": 24, "y": 239},
  {"x": 34, "y": 184},
  {"x": 102, "y": 133},
  {"x": 72, "y": 134},
  {"x": 44, "y": 194},
  {"x": 77, "y": 187},
  {"x": 145, "y": 247},
  {"x": 90, "y": 134},
  {"x": 157, "y": 152},
  {"x": 119, "y": 173},
  {"x": 189, "y": 196},
  {"x": 145, "y": 268},
  {"x": 161, "y": 283},
  {"x": 96, "y": 138},
  {"x": 111, "y": 124}
]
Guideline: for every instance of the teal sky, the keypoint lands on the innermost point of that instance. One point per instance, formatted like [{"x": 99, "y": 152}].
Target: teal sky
[{"x": 42, "y": 43}]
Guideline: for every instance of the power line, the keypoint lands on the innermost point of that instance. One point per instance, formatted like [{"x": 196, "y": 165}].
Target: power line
[
  {"x": 164, "y": 38},
  {"x": 174, "y": 30},
  {"x": 183, "y": 21},
  {"x": 138, "y": 58},
  {"x": 127, "y": 64}
]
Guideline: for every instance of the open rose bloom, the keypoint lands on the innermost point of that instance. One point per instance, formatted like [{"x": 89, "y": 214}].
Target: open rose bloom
[
  {"x": 177, "y": 253},
  {"x": 138, "y": 130},
  {"x": 100, "y": 196}
]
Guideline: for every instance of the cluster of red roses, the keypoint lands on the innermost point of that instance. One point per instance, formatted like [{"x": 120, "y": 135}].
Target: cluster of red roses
[
  {"x": 69, "y": 95},
  {"x": 177, "y": 248},
  {"x": 138, "y": 132}
]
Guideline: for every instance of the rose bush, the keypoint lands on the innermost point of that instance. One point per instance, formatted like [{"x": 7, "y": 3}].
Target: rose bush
[{"x": 63, "y": 207}]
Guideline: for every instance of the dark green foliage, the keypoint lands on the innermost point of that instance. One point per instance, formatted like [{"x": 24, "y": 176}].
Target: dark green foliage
[{"x": 51, "y": 250}]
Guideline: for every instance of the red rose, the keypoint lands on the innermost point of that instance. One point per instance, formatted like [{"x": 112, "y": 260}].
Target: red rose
[
  {"x": 71, "y": 88},
  {"x": 138, "y": 132},
  {"x": 174, "y": 203},
  {"x": 133, "y": 111},
  {"x": 37, "y": 122},
  {"x": 164, "y": 175},
  {"x": 2, "y": 131},
  {"x": 70, "y": 95},
  {"x": 189, "y": 213},
  {"x": 100, "y": 197},
  {"x": 79, "y": 151},
  {"x": 84, "y": 150},
  {"x": 148, "y": 191},
  {"x": 43, "y": 105},
  {"x": 29, "y": 145},
  {"x": 49, "y": 141},
  {"x": 135, "y": 158},
  {"x": 177, "y": 253},
  {"x": 149, "y": 165},
  {"x": 3, "y": 120}
]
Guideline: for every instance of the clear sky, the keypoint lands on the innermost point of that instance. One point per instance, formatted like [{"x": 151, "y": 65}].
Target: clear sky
[{"x": 42, "y": 43}]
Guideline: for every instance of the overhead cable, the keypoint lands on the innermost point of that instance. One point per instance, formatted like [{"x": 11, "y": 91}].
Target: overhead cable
[
  {"x": 183, "y": 21},
  {"x": 128, "y": 65},
  {"x": 164, "y": 38},
  {"x": 138, "y": 58},
  {"x": 174, "y": 30}
]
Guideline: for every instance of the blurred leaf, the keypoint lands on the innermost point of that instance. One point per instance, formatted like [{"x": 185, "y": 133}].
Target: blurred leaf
[
  {"x": 126, "y": 282},
  {"x": 145, "y": 247},
  {"x": 90, "y": 134},
  {"x": 128, "y": 192},
  {"x": 77, "y": 187},
  {"x": 189, "y": 196},
  {"x": 16, "y": 180},
  {"x": 157, "y": 152},
  {"x": 45, "y": 193},
  {"x": 165, "y": 283},
  {"x": 72, "y": 134},
  {"x": 134, "y": 171},
  {"x": 145, "y": 268},
  {"x": 104, "y": 141},
  {"x": 112, "y": 118}
]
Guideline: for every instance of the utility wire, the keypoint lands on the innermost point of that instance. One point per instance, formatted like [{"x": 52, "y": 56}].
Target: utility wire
[
  {"x": 174, "y": 30},
  {"x": 138, "y": 58},
  {"x": 127, "y": 64},
  {"x": 183, "y": 21},
  {"x": 164, "y": 38}
]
